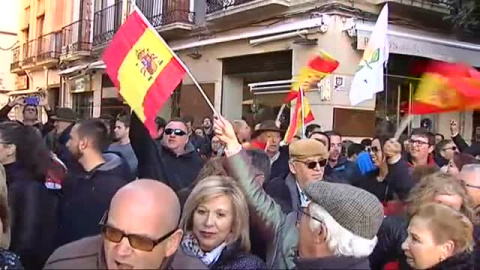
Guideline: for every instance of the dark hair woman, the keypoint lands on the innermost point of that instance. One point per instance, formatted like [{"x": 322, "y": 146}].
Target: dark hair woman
[{"x": 33, "y": 208}]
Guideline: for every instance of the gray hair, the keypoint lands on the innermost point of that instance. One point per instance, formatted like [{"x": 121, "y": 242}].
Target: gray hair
[{"x": 340, "y": 241}]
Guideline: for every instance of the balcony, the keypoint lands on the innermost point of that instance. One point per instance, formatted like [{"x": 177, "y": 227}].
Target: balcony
[
  {"x": 49, "y": 47},
  {"x": 106, "y": 23},
  {"x": 15, "y": 65},
  {"x": 76, "y": 40},
  {"x": 235, "y": 10},
  {"x": 28, "y": 53},
  {"x": 168, "y": 21},
  {"x": 441, "y": 6}
]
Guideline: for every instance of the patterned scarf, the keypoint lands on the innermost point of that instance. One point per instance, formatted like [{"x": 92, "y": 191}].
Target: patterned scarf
[{"x": 190, "y": 244}]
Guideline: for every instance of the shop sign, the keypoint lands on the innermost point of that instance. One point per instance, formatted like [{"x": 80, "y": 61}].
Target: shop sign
[
  {"x": 21, "y": 82},
  {"x": 80, "y": 84}
]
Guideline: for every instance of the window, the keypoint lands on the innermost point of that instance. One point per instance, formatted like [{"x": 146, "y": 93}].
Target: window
[
  {"x": 26, "y": 22},
  {"x": 83, "y": 104},
  {"x": 40, "y": 7},
  {"x": 40, "y": 24}
]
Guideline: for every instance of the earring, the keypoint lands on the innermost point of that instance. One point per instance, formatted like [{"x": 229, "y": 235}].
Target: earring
[{"x": 441, "y": 259}]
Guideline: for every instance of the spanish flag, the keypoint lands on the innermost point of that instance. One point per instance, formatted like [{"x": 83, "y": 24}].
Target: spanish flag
[
  {"x": 296, "y": 123},
  {"x": 317, "y": 68},
  {"x": 447, "y": 87},
  {"x": 143, "y": 68}
]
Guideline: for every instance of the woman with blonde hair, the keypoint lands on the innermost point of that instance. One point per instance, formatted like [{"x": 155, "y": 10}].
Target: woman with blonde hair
[
  {"x": 439, "y": 237},
  {"x": 435, "y": 188},
  {"x": 215, "y": 221}
]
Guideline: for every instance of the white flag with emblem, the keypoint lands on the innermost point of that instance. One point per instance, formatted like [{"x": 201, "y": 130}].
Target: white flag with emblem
[{"x": 368, "y": 79}]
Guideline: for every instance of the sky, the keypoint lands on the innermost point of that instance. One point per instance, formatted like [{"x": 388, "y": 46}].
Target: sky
[{"x": 9, "y": 16}]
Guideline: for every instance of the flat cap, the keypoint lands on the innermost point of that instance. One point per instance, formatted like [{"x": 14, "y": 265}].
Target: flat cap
[
  {"x": 305, "y": 148},
  {"x": 355, "y": 209}
]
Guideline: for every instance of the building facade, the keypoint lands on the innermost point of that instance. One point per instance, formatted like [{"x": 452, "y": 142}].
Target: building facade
[{"x": 245, "y": 53}]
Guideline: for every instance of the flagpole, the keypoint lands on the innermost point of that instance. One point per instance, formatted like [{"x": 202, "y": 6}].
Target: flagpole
[
  {"x": 187, "y": 70},
  {"x": 303, "y": 113}
]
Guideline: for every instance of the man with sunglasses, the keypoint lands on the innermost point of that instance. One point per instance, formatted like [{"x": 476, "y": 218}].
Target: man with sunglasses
[
  {"x": 421, "y": 146},
  {"x": 139, "y": 231},
  {"x": 444, "y": 152},
  {"x": 173, "y": 160},
  {"x": 308, "y": 158}
]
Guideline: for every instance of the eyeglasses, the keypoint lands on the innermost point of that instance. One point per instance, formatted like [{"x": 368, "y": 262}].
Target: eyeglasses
[
  {"x": 453, "y": 148},
  {"x": 301, "y": 211},
  {"x": 465, "y": 184},
  {"x": 313, "y": 164},
  {"x": 418, "y": 142},
  {"x": 177, "y": 132},
  {"x": 136, "y": 241},
  {"x": 373, "y": 149}
]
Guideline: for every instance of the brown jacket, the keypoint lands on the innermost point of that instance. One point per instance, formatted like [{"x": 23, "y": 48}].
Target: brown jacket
[{"x": 86, "y": 253}]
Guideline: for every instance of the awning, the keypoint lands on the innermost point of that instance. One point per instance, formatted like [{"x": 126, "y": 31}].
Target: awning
[
  {"x": 91, "y": 66},
  {"x": 270, "y": 87},
  {"x": 421, "y": 43},
  {"x": 23, "y": 92}
]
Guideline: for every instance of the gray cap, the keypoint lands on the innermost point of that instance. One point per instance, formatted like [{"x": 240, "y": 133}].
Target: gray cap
[{"x": 356, "y": 210}]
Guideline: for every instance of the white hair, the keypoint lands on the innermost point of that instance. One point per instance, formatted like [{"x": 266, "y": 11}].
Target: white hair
[{"x": 340, "y": 241}]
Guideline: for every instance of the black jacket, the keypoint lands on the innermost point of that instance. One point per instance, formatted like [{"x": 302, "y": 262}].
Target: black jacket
[
  {"x": 280, "y": 167},
  {"x": 331, "y": 263},
  {"x": 34, "y": 217},
  {"x": 154, "y": 158},
  {"x": 87, "y": 198},
  {"x": 462, "y": 261},
  {"x": 398, "y": 181},
  {"x": 391, "y": 235},
  {"x": 232, "y": 258}
]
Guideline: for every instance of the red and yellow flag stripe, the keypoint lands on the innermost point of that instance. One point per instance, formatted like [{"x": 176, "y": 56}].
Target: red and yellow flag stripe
[
  {"x": 296, "y": 123},
  {"x": 143, "y": 68}
]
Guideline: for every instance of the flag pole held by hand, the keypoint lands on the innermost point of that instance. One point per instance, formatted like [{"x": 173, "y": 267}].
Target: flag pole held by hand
[{"x": 187, "y": 70}]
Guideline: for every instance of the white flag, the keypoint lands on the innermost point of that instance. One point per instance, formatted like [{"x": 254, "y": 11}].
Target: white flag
[{"x": 368, "y": 79}]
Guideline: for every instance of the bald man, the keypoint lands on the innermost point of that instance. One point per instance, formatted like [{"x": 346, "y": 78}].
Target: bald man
[{"x": 139, "y": 231}]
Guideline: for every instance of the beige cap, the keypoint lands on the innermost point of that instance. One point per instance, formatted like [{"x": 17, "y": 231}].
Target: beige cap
[{"x": 306, "y": 148}]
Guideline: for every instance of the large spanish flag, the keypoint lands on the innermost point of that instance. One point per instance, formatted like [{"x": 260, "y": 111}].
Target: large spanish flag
[
  {"x": 296, "y": 122},
  {"x": 143, "y": 68},
  {"x": 447, "y": 87},
  {"x": 317, "y": 68}
]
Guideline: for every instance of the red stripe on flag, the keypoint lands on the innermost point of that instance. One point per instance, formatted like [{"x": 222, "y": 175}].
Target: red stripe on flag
[
  {"x": 292, "y": 129},
  {"x": 121, "y": 44},
  {"x": 424, "y": 108},
  {"x": 160, "y": 91},
  {"x": 323, "y": 64},
  {"x": 309, "y": 117}
]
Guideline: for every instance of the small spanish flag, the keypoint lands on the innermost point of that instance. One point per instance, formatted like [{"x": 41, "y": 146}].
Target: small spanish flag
[
  {"x": 143, "y": 68},
  {"x": 447, "y": 87},
  {"x": 296, "y": 123},
  {"x": 318, "y": 68}
]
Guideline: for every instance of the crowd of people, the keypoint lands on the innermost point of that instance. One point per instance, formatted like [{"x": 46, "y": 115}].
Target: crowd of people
[{"x": 103, "y": 194}]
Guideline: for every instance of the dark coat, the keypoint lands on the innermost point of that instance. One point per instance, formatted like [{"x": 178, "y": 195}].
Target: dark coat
[
  {"x": 332, "y": 263},
  {"x": 87, "y": 198},
  {"x": 280, "y": 168},
  {"x": 154, "y": 158},
  {"x": 391, "y": 235},
  {"x": 285, "y": 192},
  {"x": 34, "y": 217},
  {"x": 398, "y": 181},
  {"x": 462, "y": 261},
  {"x": 9, "y": 260},
  {"x": 231, "y": 258}
]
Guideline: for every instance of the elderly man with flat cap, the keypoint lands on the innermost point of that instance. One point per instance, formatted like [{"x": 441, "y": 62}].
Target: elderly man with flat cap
[
  {"x": 139, "y": 231},
  {"x": 307, "y": 160},
  {"x": 336, "y": 230}
]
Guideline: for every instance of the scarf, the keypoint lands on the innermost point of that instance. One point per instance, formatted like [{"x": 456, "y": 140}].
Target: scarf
[{"x": 190, "y": 244}]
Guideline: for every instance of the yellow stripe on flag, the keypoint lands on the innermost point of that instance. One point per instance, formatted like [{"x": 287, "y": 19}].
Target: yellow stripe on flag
[{"x": 135, "y": 77}]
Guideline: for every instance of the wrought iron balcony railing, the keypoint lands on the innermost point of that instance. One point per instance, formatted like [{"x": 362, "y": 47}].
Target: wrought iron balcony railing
[
  {"x": 28, "y": 53},
  {"x": 160, "y": 14},
  {"x": 217, "y": 5},
  {"x": 15, "y": 58},
  {"x": 76, "y": 37},
  {"x": 106, "y": 23},
  {"x": 49, "y": 46}
]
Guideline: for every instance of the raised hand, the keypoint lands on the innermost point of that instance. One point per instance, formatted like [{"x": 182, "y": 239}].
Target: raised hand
[{"x": 224, "y": 131}]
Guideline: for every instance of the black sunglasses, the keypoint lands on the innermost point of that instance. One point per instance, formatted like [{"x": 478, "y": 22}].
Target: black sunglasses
[
  {"x": 373, "y": 149},
  {"x": 136, "y": 241},
  {"x": 301, "y": 211},
  {"x": 177, "y": 132},
  {"x": 313, "y": 164},
  {"x": 453, "y": 148}
]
